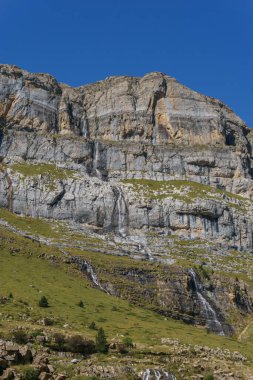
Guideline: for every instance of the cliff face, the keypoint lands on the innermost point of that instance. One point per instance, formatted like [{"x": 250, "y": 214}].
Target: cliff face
[
  {"x": 132, "y": 156},
  {"x": 153, "y": 109},
  {"x": 125, "y": 128}
]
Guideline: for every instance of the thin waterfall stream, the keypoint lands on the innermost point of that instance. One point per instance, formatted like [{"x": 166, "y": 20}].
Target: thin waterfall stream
[
  {"x": 96, "y": 159},
  {"x": 210, "y": 314},
  {"x": 121, "y": 213},
  {"x": 86, "y": 267},
  {"x": 155, "y": 374},
  {"x": 84, "y": 129}
]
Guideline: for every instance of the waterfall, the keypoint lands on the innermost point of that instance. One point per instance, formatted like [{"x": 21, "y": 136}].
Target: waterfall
[
  {"x": 85, "y": 129},
  {"x": 96, "y": 171},
  {"x": 155, "y": 374},
  {"x": 121, "y": 213},
  {"x": 210, "y": 315},
  {"x": 93, "y": 276},
  {"x": 146, "y": 375}
]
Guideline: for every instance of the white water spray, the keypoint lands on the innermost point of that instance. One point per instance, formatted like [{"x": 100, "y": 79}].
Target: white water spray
[
  {"x": 96, "y": 159},
  {"x": 84, "y": 127},
  {"x": 86, "y": 266},
  {"x": 155, "y": 374},
  {"x": 122, "y": 211},
  {"x": 211, "y": 317}
]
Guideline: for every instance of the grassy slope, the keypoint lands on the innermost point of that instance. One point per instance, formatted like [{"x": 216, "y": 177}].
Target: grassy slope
[{"x": 28, "y": 277}]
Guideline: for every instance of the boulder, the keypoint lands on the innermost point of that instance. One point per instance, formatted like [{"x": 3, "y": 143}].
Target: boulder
[{"x": 8, "y": 374}]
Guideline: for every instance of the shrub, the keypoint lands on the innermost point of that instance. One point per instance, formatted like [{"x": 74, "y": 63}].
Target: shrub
[
  {"x": 81, "y": 304},
  {"x": 20, "y": 336},
  {"x": 125, "y": 345},
  {"x": 36, "y": 333},
  {"x": 128, "y": 342},
  {"x": 209, "y": 376},
  {"x": 78, "y": 344},
  {"x": 101, "y": 342},
  {"x": 59, "y": 340},
  {"x": 30, "y": 374},
  {"x": 122, "y": 348},
  {"x": 93, "y": 326},
  {"x": 43, "y": 302}
]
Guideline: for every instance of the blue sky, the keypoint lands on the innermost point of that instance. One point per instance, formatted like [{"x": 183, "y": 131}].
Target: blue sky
[{"x": 205, "y": 44}]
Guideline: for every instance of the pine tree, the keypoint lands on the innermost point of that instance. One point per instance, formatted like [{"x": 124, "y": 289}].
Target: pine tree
[
  {"x": 93, "y": 326},
  {"x": 43, "y": 302},
  {"x": 101, "y": 342}
]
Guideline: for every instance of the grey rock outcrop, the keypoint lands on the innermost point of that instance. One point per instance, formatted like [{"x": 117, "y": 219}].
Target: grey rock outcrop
[{"x": 149, "y": 128}]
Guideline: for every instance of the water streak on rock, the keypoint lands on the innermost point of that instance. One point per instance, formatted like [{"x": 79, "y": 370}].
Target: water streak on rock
[
  {"x": 210, "y": 314},
  {"x": 96, "y": 171},
  {"x": 154, "y": 374},
  {"x": 84, "y": 130},
  {"x": 86, "y": 267},
  {"x": 122, "y": 213}
]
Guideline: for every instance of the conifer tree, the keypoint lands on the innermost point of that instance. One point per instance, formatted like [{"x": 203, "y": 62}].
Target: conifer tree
[{"x": 101, "y": 342}]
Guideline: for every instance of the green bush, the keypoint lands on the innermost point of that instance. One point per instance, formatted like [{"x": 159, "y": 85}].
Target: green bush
[
  {"x": 128, "y": 341},
  {"x": 78, "y": 344},
  {"x": 59, "y": 342},
  {"x": 125, "y": 345},
  {"x": 209, "y": 376},
  {"x": 20, "y": 336},
  {"x": 30, "y": 374},
  {"x": 37, "y": 332}
]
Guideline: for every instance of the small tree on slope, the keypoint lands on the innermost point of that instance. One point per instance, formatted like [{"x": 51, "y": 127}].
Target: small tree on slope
[
  {"x": 43, "y": 302},
  {"x": 101, "y": 342}
]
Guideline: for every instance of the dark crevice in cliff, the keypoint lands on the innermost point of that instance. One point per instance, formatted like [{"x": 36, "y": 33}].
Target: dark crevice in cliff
[
  {"x": 9, "y": 193},
  {"x": 57, "y": 198}
]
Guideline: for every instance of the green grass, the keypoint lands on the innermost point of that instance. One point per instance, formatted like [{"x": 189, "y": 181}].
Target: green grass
[
  {"x": 53, "y": 229},
  {"x": 28, "y": 277},
  {"x": 49, "y": 171},
  {"x": 184, "y": 252},
  {"x": 31, "y": 170},
  {"x": 184, "y": 190},
  {"x": 32, "y": 225}
]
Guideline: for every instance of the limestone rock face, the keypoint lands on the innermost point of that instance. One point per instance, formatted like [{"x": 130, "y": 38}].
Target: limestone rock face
[
  {"x": 163, "y": 172},
  {"x": 153, "y": 109},
  {"x": 119, "y": 130}
]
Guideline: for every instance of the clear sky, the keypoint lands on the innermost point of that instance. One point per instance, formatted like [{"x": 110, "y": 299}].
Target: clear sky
[{"x": 205, "y": 44}]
